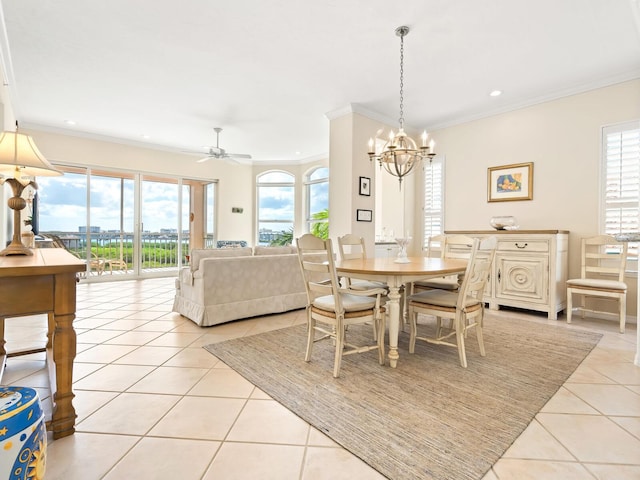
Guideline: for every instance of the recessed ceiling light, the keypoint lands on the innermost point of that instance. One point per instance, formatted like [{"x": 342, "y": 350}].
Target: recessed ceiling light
[
  {"x": 495, "y": 93},
  {"x": 144, "y": 136},
  {"x": 298, "y": 153},
  {"x": 69, "y": 122}
]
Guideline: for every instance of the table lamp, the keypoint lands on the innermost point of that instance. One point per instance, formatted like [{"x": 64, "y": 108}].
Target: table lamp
[{"x": 20, "y": 160}]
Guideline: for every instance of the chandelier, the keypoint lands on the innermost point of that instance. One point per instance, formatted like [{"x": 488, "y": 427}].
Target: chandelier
[{"x": 400, "y": 153}]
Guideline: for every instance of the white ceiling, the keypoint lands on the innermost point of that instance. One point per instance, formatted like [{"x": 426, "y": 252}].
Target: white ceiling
[{"x": 268, "y": 72}]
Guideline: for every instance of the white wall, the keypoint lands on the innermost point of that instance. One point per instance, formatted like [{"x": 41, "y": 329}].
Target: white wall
[{"x": 562, "y": 139}]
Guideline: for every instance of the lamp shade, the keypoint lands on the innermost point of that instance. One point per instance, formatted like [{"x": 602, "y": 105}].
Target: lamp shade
[{"x": 19, "y": 151}]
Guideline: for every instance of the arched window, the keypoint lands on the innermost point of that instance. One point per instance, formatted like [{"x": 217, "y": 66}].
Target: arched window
[
  {"x": 316, "y": 185},
  {"x": 276, "y": 208}
]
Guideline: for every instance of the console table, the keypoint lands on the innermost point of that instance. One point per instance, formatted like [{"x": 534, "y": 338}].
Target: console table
[
  {"x": 46, "y": 283},
  {"x": 529, "y": 271}
]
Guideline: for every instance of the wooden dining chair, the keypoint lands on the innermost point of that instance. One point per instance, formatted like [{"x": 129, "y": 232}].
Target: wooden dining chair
[
  {"x": 603, "y": 264},
  {"x": 331, "y": 309},
  {"x": 465, "y": 307},
  {"x": 353, "y": 247},
  {"x": 450, "y": 247}
]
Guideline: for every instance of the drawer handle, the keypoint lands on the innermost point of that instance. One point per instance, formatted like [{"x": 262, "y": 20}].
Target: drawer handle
[{"x": 523, "y": 246}]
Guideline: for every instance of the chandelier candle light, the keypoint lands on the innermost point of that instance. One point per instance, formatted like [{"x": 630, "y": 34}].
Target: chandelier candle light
[
  {"x": 401, "y": 154},
  {"x": 20, "y": 158}
]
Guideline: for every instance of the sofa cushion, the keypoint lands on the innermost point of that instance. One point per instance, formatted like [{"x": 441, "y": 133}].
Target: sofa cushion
[
  {"x": 274, "y": 250},
  {"x": 200, "y": 253}
]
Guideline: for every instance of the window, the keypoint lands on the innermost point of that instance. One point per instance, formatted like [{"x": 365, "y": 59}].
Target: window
[
  {"x": 276, "y": 200},
  {"x": 433, "y": 208},
  {"x": 317, "y": 202},
  {"x": 621, "y": 180}
]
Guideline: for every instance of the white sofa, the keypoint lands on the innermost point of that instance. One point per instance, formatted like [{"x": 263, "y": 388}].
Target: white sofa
[{"x": 221, "y": 285}]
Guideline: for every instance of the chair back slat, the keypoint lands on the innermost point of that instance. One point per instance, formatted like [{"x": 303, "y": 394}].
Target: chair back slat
[
  {"x": 351, "y": 247},
  {"x": 319, "y": 276},
  {"x": 478, "y": 269},
  {"x": 457, "y": 247},
  {"x": 603, "y": 255}
]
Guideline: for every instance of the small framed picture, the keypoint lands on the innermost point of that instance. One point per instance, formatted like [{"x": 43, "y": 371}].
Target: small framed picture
[
  {"x": 510, "y": 182},
  {"x": 364, "y": 215},
  {"x": 365, "y": 186}
]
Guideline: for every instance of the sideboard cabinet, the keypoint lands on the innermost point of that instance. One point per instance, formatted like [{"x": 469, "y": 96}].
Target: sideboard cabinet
[{"x": 529, "y": 271}]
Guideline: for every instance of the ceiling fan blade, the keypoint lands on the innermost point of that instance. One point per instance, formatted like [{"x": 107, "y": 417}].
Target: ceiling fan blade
[
  {"x": 238, "y": 155},
  {"x": 205, "y": 159}
]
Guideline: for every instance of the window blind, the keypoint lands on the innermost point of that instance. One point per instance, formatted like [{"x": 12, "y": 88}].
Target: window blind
[
  {"x": 433, "y": 199},
  {"x": 621, "y": 186}
]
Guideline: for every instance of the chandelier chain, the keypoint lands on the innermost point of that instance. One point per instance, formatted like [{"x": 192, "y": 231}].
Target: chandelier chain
[{"x": 401, "y": 82}]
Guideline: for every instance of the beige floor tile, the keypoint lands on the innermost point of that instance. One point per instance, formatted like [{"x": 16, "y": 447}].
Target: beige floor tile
[
  {"x": 86, "y": 402},
  {"x": 490, "y": 476},
  {"x": 39, "y": 379},
  {"x": 143, "y": 314},
  {"x": 165, "y": 459},
  {"x": 114, "y": 378},
  {"x": 123, "y": 324},
  {"x": 147, "y": 355},
  {"x": 156, "y": 326},
  {"x": 192, "y": 357},
  {"x": 625, "y": 373},
  {"x": 319, "y": 439},
  {"x": 17, "y": 369},
  {"x": 133, "y": 338},
  {"x": 175, "y": 339},
  {"x": 510, "y": 469},
  {"x": 323, "y": 463},
  {"x": 586, "y": 374},
  {"x": 169, "y": 380},
  {"x": 98, "y": 336},
  {"x": 536, "y": 443},
  {"x": 564, "y": 401},
  {"x": 128, "y": 414},
  {"x": 223, "y": 382},
  {"x": 81, "y": 370},
  {"x": 630, "y": 424},
  {"x": 248, "y": 461},
  {"x": 609, "y": 399},
  {"x": 104, "y": 353},
  {"x": 266, "y": 421},
  {"x": 83, "y": 456},
  {"x": 614, "y": 472},
  {"x": 592, "y": 438},
  {"x": 202, "y": 418}
]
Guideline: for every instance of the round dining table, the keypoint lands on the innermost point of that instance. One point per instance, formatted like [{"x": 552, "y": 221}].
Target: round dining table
[{"x": 396, "y": 275}]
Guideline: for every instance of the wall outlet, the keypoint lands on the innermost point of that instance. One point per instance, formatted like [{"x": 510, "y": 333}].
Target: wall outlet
[{"x": 237, "y": 209}]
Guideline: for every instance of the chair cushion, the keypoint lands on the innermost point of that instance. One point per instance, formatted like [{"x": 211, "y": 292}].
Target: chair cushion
[
  {"x": 366, "y": 284},
  {"x": 596, "y": 283},
  {"x": 441, "y": 298},
  {"x": 351, "y": 303},
  {"x": 442, "y": 283}
]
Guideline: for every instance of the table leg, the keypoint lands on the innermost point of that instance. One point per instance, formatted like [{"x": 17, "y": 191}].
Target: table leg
[
  {"x": 394, "y": 324},
  {"x": 64, "y": 351}
]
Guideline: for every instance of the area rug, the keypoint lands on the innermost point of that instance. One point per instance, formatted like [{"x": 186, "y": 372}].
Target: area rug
[{"x": 428, "y": 418}]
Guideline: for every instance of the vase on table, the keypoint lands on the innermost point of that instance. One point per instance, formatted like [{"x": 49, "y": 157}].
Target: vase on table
[{"x": 402, "y": 250}]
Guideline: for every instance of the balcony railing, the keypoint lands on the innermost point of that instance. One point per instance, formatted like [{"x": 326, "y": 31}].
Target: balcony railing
[{"x": 113, "y": 251}]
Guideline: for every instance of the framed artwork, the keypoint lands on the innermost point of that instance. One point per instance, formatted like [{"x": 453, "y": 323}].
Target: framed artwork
[
  {"x": 365, "y": 186},
  {"x": 510, "y": 182},
  {"x": 364, "y": 215}
]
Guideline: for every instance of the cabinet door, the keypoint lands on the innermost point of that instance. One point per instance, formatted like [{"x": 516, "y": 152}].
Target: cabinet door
[{"x": 521, "y": 277}]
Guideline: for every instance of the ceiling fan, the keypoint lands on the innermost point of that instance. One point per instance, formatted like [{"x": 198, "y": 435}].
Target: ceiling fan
[{"x": 220, "y": 153}]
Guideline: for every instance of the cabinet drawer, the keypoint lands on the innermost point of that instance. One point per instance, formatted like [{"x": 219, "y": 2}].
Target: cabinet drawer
[{"x": 523, "y": 245}]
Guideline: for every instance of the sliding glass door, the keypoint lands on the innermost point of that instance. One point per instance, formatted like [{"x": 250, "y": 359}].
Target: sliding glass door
[{"x": 125, "y": 224}]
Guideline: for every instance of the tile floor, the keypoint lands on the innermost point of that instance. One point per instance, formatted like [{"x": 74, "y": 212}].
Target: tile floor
[{"x": 142, "y": 381}]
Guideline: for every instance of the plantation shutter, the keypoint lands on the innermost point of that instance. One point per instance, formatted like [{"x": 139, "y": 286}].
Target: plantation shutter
[
  {"x": 433, "y": 198},
  {"x": 621, "y": 161}
]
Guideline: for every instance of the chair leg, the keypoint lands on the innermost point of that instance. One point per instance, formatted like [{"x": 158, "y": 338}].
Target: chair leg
[
  {"x": 413, "y": 320},
  {"x": 311, "y": 332},
  {"x": 381, "y": 328},
  {"x": 480, "y": 336},
  {"x": 569, "y": 305},
  {"x": 460, "y": 340},
  {"x": 623, "y": 312},
  {"x": 339, "y": 346}
]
